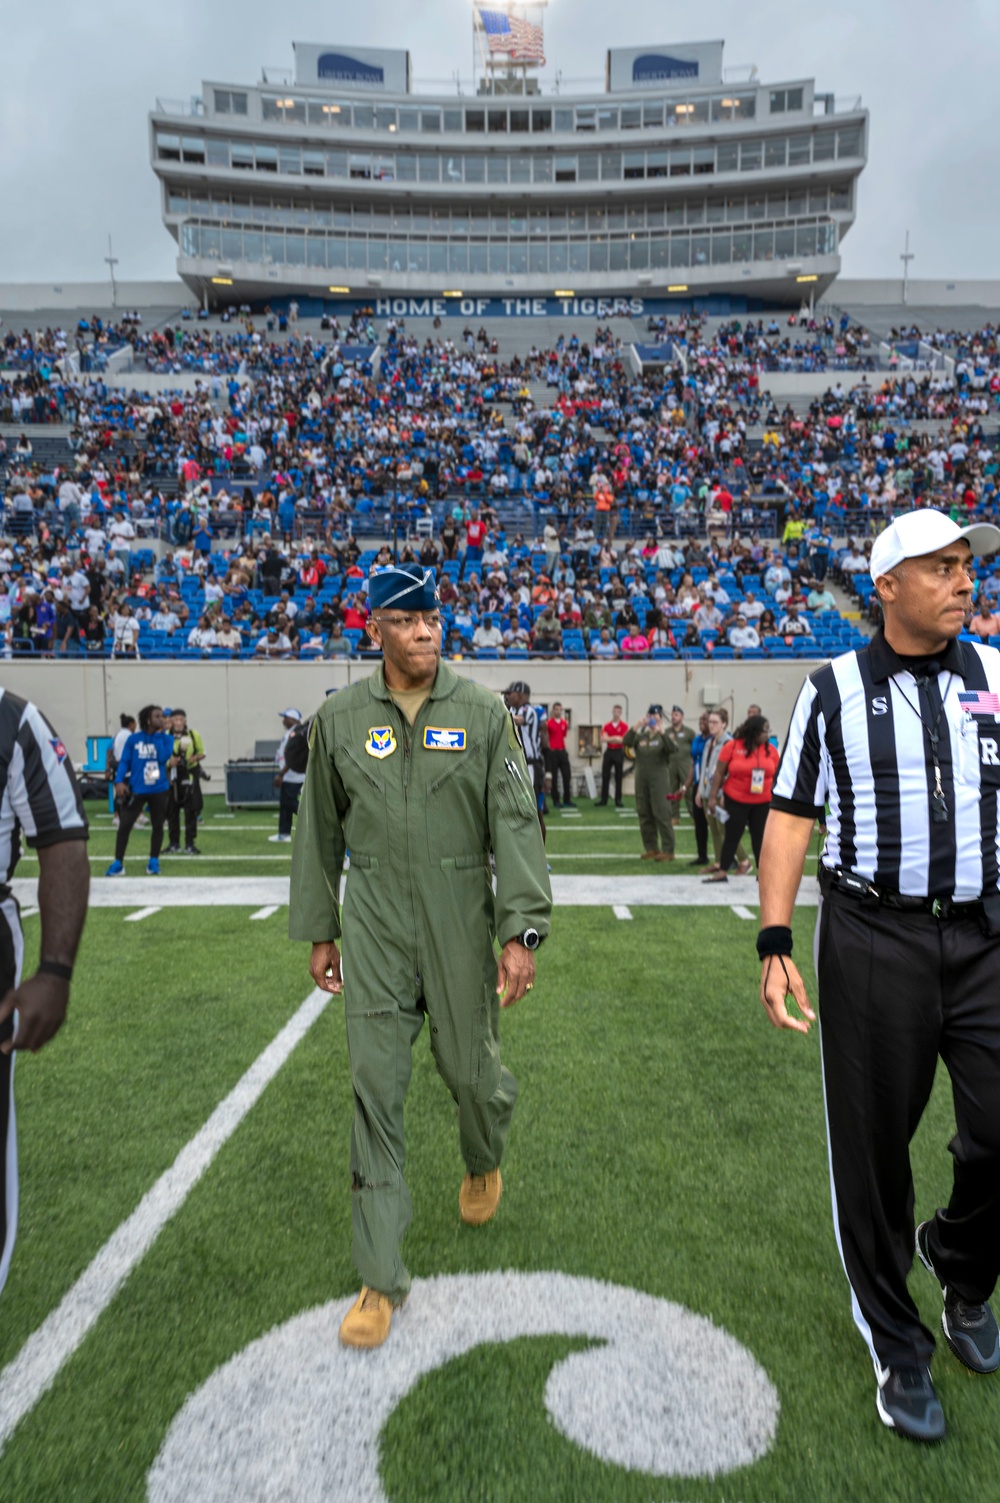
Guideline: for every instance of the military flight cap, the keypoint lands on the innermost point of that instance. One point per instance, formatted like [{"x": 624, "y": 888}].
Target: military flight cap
[{"x": 404, "y": 587}]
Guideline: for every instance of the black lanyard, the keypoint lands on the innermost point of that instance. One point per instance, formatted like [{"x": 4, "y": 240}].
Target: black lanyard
[{"x": 925, "y": 682}]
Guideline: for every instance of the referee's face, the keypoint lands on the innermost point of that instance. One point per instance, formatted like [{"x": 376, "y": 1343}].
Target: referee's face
[{"x": 927, "y": 599}]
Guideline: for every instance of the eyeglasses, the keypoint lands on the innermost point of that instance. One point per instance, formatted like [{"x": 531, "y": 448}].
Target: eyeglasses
[{"x": 430, "y": 619}]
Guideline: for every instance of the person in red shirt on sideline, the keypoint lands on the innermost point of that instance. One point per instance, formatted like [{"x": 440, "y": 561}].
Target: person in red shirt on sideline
[
  {"x": 613, "y": 740},
  {"x": 747, "y": 765},
  {"x": 558, "y": 756}
]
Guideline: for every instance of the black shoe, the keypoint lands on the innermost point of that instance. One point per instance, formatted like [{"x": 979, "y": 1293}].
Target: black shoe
[
  {"x": 191, "y": 850},
  {"x": 568, "y": 804},
  {"x": 172, "y": 850},
  {"x": 906, "y": 1402},
  {"x": 601, "y": 803},
  {"x": 970, "y": 1329}
]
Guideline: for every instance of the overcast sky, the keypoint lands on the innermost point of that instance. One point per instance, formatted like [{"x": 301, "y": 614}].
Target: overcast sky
[{"x": 79, "y": 81}]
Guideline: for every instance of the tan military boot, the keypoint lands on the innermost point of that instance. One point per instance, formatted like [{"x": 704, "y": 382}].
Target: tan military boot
[
  {"x": 367, "y": 1322},
  {"x": 479, "y": 1197}
]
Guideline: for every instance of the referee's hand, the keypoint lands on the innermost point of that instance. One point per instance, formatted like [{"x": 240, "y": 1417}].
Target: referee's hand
[
  {"x": 40, "y": 1004},
  {"x": 779, "y": 978}
]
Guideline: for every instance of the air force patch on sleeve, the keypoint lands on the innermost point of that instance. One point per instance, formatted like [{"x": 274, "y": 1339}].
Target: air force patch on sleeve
[
  {"x": 444, "y": 738},
  {"x": 381, "y": 741}
]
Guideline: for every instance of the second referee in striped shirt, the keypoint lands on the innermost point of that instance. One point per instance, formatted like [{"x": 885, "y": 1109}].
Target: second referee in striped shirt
[{"x": 897, "y": 747}]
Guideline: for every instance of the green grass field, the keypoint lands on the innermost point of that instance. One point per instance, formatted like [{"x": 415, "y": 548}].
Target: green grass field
[{"x": 666, "y": 1139}]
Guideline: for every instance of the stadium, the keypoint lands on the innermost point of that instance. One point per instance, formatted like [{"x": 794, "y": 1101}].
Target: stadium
[{"x": 607, "y": 404}]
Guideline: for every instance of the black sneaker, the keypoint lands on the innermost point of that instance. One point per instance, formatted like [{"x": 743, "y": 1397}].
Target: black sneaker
[
  {"x": 172, "y": 850},
  {"x": 906, "y": 1402},
  {"x": 969, "y": 1329},
  {"x": 191, "y": 850}
]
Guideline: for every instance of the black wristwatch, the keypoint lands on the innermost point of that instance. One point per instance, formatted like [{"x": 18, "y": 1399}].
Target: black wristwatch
[{"x": 530, "y": 939}]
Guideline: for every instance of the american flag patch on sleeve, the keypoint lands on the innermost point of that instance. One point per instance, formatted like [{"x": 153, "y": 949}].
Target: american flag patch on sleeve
[{"x": 980, "y": 702}]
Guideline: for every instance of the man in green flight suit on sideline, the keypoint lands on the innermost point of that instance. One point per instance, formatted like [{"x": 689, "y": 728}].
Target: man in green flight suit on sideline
[
  {"x": 649, "y": 742},
  {"x": 681, "y": 737},
  {"x": 420, "y": 774}
]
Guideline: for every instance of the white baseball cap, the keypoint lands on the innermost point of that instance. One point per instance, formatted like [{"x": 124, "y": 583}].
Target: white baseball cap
[
  {"x": 920, "y": 532},
  {"x": 291, "y": 715}
]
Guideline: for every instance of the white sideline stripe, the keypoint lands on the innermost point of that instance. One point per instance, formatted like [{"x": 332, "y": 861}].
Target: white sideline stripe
[
  {"x": 196, "y": 860},
  {"x": 34, "y": 1369},
  {"x": 265, "y": 913},
  {"x": 742, "y": 912},
  {"x": 28, "y": 912},
  {"x": 140, "y": 914},
  {"x": 621, "y": 912}
]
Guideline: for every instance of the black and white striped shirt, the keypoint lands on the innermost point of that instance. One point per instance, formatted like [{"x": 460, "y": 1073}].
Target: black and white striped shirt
[
  {"x": 38, "y": 790},
  {"x": 859, "y": 742}
]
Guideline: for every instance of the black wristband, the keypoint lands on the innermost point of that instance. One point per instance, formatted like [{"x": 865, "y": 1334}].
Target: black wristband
[
  {"x": 53, "y": 968},
  {"x": 777, "y": 940}
]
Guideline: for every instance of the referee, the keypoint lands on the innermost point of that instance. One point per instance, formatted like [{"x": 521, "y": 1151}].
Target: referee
[
  {"x": 39, "y": 796},
  {"x": 901, "y": 740}
]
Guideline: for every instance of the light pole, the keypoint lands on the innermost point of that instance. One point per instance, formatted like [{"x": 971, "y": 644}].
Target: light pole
[
  {"x": 112, "y": 261},
  {"x": 906, "y": 257}
]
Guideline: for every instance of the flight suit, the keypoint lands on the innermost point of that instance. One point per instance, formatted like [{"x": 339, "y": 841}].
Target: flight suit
[
  {"x": 419, "y": 808},
  {"x": 680, "y": 762},
  {"x": 652, "y": 751}
]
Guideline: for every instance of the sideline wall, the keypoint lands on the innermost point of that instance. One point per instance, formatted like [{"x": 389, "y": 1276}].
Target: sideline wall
[{"x": 235, "y": 704}]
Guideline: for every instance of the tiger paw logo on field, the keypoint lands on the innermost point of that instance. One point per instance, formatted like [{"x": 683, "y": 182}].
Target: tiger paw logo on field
[{"x": 381, "y": 741}]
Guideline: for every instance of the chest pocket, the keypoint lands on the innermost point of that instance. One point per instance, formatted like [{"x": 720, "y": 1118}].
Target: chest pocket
[
  {"x": 366, "y": 826},
  {"x": 455, "y": 805}
]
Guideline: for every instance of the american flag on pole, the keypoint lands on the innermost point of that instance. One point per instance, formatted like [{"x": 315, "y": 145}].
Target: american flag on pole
[
  {"x": 980, "y": 703},
  {"x": 519, "y": 40}
]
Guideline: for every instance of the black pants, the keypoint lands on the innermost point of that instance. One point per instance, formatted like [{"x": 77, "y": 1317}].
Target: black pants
[
  {"x": 157, "y": 805},
  {"x": 741, "y": 815},
  {"x": 11, "y": 951},
  {"x": 700, "y": 828},
  {"x": 559, "y": 763},
  {"x": 288, "y": 805},
  {"x": 614, "y": 761},
  {"x": 895, "y": 991},
  {"x": 186, "y": 796}
]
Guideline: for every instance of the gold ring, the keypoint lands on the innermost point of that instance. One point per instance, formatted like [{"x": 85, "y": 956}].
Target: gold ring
[{"x": 529, "y": 986}]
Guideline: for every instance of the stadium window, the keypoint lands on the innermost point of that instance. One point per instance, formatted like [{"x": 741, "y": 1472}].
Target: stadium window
[
  {"x": 417, "y": 256},
  {"x": 538, "y": 257},
  {"x": 675, "y": 215},
  {"x": 430, "y": 122},
  {"x": 751, "y": 153},
  {"x": 598, "y": 260},
  {"x": 736, "y": 209},
  {"x": 558, "y": 255},
  {"x": 616, "y": 219},
  {"x": 578, "y": 256},
  {"x": 230, "y": 102},
  {"x": 420, "y": 220},
  {"x": 680, "y": 161},
  {"x": 742, "y": 245},
  {"x": 805, "y": 240},
  {"x": 385, "y": 118},
  {"x": 849, "y": 141},
  {"x": 475, "y": 169},
  {"x": 817, "y": 200},
  {"x": 496, "y": 169},
  {"x": 611, "y": 166},
  {"x": 727, "y": 157},
  {"x": 779, "y": 101},
  {"x": 429, "y": 169},
  {"x": 652, "y": 115},
  {"x": 784, "y": 243},
  {"x": 631, "y": 117},
  {"x": 698, "y": 114},
  {"x": 344, "y": 220},
  {"x": 406, "y": 167},
  {"x": 168, "y": 148},
  {"x": 659, "y": 254},
  {"x": 301, "y": 215},
  {"x": 827, "y": 239},
  {"x": 722, "y": 247},
  {"x": 190, "y": 240},
  {"x": 618, "y": 255},
  {"x": 498, "y": 256},
  {"x": 799, "y": 151},
  {"x": 577, "y": 220},
  {"x": 656, "y": 164},
  {"x": 478, "y": 257},
  {"x": 269, "y": 107},
  {"x": 364, "y": 117},
  {"x": 840, "y": 196},
  {"x": 704, "y": 160},
  {"x": 520, "y": 169},
  {"x": 266, "y": 158},
  {"x": 715, "y": 210},
  {"x": 518, "y": 257},
  {"x": 383, "y": 169},
  {"x": 360, "y": 165},
  {"x": 397, "y": 255},
  {"x": 437, "y": 257},
  {"x": 475, "y": 120},
  {"x": 564, "y": 120},
  {"x": 543, "y": 169},
  {"x": 290, "y": 161},
  {"x": 177, "y": 203},
  {"x": 378, "y": 255},
  {"x": 763, "y": 245},
  {"x": 336, "y": 253},
  {"x": 796, "y": 203},
  {"x": 479, "y": 221},
  {"x": 775, "y": 151},
  {"x": 701, "y": 249},
  {"x": 520, "y": 120},
  {"x": 453, "y": 120},
  {"x": 541, "y": 120},
  {"x": 635, "y": 164},
  {"x": 316, "y": 252},
  {"x": 409, "y": 120},
  {"x": 497, "y": 121},
  {"x": 315, "y": 112},
  {"x": 635, "y": 218},
  {"x": 211, "y": 241},
  {"x": 777, "y": 206},
  {"x": 607, "y": 118},
  {"x": 696, "y": 211},
  {"x": 361, "y": 218},
  {"x": 795, "y": 99},
  {"x": 755, "y": 206},
  {"x": 565, "y": 169},
  {"x": 588, "y": 163},
  {"x": 253, "y": 245},
  {"x": 459, "y": 222},
  {"x": 655, "y": 216},
  {"x": 558, "y": 221},
  {"x": 597, "y": 219},
  {"x": 586, "y": 117},
  {"x": 217, "y": 152},
  {"x": 638, "y": 254},
  {"x": 232, "y": 245},
  {"x": 824, "y": 146},
  {"x": 458, "y": 256},
  {"x": 357, "y": 255}
]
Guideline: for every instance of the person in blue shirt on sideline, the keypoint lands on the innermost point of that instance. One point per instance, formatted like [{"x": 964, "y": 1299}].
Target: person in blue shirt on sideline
[{"x": 143, "y": 775}]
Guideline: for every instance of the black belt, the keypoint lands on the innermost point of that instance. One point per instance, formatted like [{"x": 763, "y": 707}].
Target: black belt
[{"x": 863, "y": 891}]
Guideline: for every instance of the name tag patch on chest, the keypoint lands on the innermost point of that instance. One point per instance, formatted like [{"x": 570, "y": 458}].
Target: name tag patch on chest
[
  {"x": 444, "y": 738},
  {"x": 381, "y": 741}
]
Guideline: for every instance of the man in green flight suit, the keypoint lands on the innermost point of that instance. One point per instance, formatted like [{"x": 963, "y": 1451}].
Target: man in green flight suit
[
  {"x": 420, "y": 774},
  {"x": 648, "y": 741},
  {"x": 680, "y": 737}
]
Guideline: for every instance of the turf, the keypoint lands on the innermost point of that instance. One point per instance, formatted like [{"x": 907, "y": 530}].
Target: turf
[{"x": 665, "y": 1139}]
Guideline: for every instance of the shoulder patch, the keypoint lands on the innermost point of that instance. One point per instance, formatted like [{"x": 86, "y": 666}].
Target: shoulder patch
[{"x": 381, "y": 741}]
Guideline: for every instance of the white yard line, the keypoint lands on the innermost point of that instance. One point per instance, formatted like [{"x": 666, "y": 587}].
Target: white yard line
[
  {"x": 143, "y": 913},
  {"x": 741, "y": 912},
  {"x": 34, "y": 1369},
  {"x": 621, "y": 912},
  {"x": 28, "y": 912},
  {"x": 265, "y": 913}
]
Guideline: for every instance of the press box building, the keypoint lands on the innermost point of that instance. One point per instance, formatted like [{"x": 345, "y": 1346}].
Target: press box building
[{"x": 671, "y": 183}]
